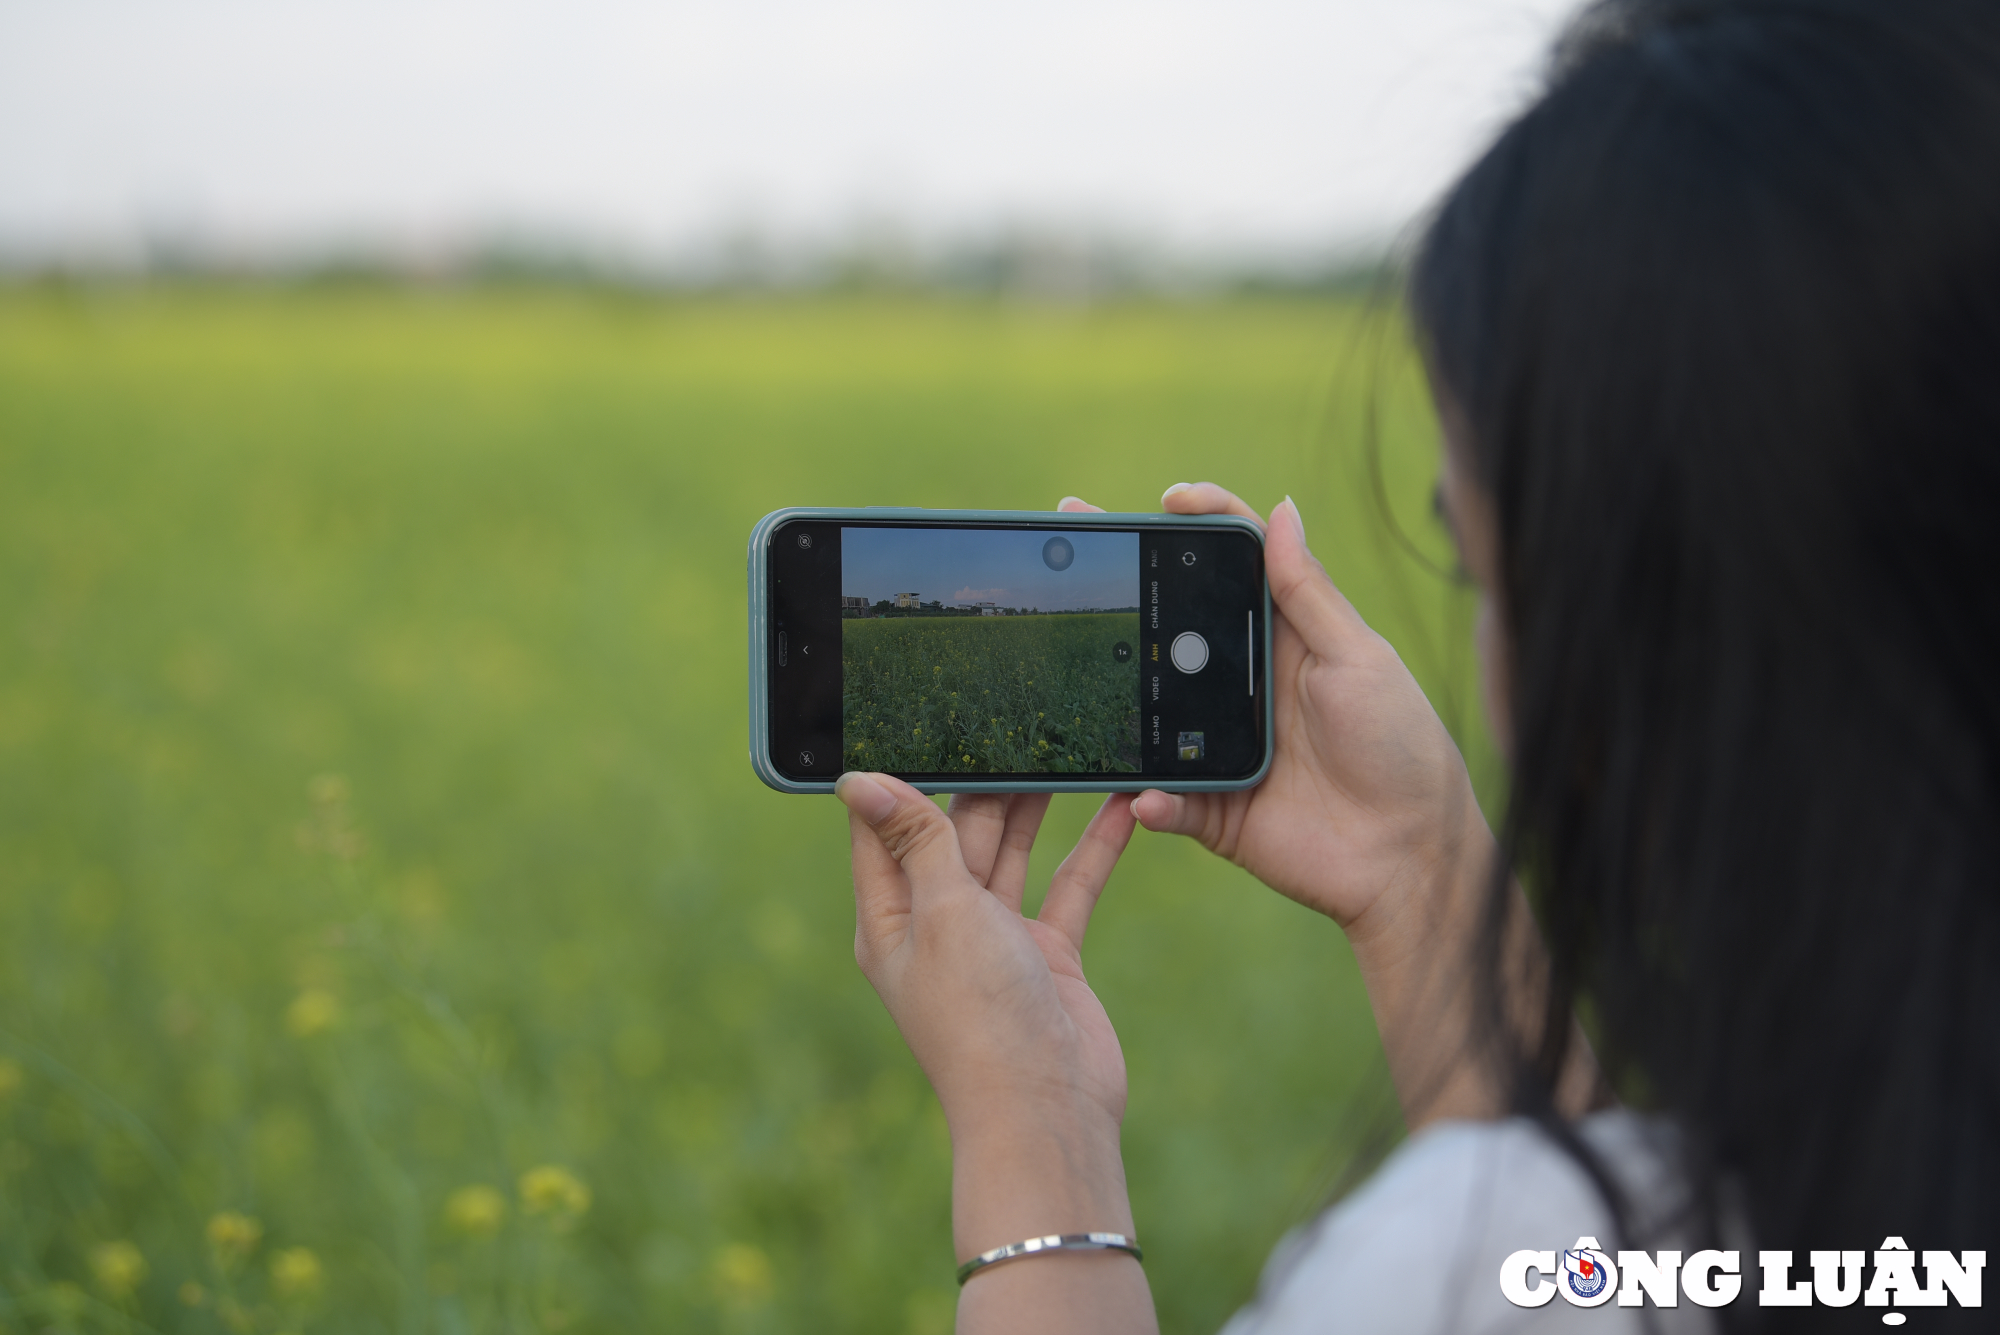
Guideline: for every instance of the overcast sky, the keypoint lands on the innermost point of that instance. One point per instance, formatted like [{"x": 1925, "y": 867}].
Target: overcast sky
[
  {"x": 1003, "y": 566},
  {"x": 1204, "y": 125}
]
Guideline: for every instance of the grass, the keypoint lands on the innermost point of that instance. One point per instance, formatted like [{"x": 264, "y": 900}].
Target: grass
[
  {"x": 393, "y": 936},
  {"x": 1006, "y": 695}
]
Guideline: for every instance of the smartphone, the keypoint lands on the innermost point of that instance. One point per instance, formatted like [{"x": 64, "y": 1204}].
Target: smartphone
[{"x": 1009, "y": 651}]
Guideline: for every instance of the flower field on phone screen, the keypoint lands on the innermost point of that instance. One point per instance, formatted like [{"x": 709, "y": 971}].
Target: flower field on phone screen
[
  {"x": 393, "y": 934},
  {"x": 987, "y": 695}
]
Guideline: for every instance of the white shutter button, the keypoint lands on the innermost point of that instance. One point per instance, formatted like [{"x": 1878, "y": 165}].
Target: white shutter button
[{"x": 1189, "y": 652}]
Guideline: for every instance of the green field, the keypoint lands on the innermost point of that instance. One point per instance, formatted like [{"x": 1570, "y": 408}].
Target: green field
[
  {"x": 393, "y": 936},
  {"x": 993, "y": 695}
]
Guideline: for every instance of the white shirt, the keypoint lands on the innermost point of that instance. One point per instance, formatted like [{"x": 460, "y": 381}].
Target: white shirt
[{"x": 1419, "y": 1247}]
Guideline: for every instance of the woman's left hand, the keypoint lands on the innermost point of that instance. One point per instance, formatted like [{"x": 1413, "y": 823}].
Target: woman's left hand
[{"x": 1020, "y": 1051}]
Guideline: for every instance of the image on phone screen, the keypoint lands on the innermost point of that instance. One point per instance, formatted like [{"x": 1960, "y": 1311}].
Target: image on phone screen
[{"x": 989, "y": 650}]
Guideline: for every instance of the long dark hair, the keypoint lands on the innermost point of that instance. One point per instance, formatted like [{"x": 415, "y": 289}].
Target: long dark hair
[{"x": 1720, "y": 314}]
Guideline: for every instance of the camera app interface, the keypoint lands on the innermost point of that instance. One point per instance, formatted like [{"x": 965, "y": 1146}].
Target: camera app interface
[{"x": 990, "y": 651}]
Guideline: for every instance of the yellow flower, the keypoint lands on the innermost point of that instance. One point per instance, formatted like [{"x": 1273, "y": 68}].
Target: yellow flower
[
  {"x": 193, "y": 1295},
  {"x": 312, "y": 1011},
  {"x": 233, "y": 1236},
  {"x": 117, "y": 1267},
  {"x": 555, "y": 1192},
  {"x": 476, "y": 1211},
  {"x": 10, "y": 1078},
  {"x": 743, "y": 1275},
  {"x": 296, "y": 1273},
  {"x": 966, "y": 759}
]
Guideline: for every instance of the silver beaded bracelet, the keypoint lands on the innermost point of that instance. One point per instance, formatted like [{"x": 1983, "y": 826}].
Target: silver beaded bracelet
[{"x": 1055, "y": 1242}]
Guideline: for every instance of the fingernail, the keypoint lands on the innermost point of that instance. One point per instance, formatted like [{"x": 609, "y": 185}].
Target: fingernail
[
  {"x": 1178, "y": 486},
  {"x": 1067, "y": 501},
  {"x": 1298, "y": 523},
  {"x": 864, "y": 797}
]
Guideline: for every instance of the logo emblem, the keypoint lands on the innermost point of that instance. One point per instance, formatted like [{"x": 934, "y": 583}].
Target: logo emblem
[{"x": 1588, "y": 1277}]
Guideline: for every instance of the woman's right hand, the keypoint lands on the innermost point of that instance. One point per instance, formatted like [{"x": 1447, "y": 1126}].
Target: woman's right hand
[
  {"x": 1368, "y": 798},
  {"x": 1367, "y": 815}
]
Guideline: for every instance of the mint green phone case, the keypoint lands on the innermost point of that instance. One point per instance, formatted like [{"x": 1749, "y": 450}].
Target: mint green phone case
[{"x": 760, "y": 651}]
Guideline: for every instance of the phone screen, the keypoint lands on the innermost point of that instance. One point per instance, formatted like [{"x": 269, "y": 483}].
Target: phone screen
[{"x": 982, "y": 652}]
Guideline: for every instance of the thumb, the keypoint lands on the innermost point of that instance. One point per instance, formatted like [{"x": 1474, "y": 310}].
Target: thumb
[
  {"x": 1302, "y": 589},
  {"x": 912, "y": 829}
]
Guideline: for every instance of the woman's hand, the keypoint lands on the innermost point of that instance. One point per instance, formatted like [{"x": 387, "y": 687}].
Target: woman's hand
[
  {"x": 1017, "y": 1046},
  {"x": 1368, "y": 796},
  {"x": 1367, "y": 815}
]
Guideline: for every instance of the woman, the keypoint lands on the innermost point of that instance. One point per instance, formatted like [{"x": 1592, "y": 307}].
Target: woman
[{"x": 1714, "y": 332}]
